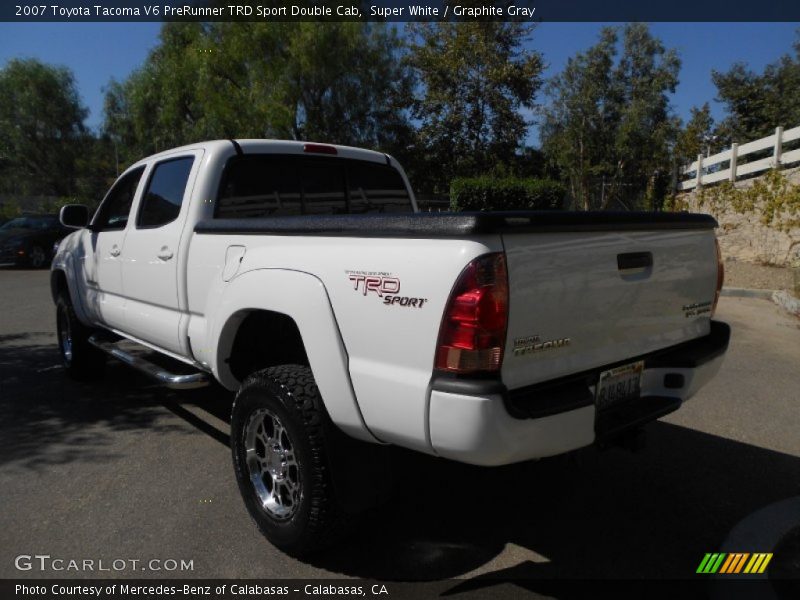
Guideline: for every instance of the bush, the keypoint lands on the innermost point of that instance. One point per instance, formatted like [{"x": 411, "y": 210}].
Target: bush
[
  {"x": 488, "y": 193},
  {"x": 53, "y": 205},
  {"x": 8, "y": 210}
]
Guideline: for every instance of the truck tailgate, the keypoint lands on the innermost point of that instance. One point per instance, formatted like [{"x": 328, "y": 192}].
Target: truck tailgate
[{"x": 584, "y": 299}]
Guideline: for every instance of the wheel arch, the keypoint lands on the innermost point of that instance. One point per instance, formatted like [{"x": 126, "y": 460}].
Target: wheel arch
[
  {"x": 260, "y": 339},
  {"x": 63, "y": 279},
  {"x": 290, "y": 314},
  {"x": 58, "y": 283}
]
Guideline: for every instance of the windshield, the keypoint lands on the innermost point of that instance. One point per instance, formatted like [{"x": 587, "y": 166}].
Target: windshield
[{"x": 33, "y": 223}]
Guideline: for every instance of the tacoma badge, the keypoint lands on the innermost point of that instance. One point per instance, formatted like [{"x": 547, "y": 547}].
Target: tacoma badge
[{"x": 533, "y": 343}]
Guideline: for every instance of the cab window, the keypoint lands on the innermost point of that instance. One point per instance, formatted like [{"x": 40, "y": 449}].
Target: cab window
[
  {"x": 113, "y": 212},
  {"x": 256, "y": 186},
  {"x": 162, "y": 200}
]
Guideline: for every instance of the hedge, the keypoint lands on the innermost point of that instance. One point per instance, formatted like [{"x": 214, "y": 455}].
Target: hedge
[{"x": 488, "y": 193}]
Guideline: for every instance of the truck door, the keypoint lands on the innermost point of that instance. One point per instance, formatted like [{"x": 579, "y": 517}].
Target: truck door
[
  {"x": 153, "y": 272},
  {"x": 103, "y": 245}
]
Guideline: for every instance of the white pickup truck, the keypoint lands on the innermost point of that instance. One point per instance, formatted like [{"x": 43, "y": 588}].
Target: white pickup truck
[{"x": 303, "y": 276}]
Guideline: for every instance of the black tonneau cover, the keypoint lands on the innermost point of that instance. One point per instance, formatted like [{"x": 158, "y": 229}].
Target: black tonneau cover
[{"x": 425, "y": 225}]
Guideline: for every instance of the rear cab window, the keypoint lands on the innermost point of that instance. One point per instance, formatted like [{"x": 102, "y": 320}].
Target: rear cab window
[{"x": 263, "y": 185}]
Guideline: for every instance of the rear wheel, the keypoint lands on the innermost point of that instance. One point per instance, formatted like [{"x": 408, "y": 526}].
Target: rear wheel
[
  {"x": 81, "y": 360},
  {"x": 280, "y": 441}
]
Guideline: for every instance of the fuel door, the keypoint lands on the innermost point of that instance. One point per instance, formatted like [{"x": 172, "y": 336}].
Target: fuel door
[{"x": 233, "y": 259}]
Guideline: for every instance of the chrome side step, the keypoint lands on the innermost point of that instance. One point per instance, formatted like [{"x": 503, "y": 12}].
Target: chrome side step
[{"x": 173, "y": 381}]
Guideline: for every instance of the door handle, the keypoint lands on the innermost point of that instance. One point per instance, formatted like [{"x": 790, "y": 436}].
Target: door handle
[
  {"x": 115, "y": 251},
  {"x": 165, "y": 253}
]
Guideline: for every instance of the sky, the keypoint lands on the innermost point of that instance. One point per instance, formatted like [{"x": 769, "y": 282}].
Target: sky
[{"x": 98, "y": 52}]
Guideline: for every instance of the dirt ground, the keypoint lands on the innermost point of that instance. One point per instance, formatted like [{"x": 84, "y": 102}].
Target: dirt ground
[{"x": 747, "y": 275}]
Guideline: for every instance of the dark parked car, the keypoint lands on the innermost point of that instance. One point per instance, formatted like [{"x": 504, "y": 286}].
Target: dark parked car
[{"x": 28, "y": 241}]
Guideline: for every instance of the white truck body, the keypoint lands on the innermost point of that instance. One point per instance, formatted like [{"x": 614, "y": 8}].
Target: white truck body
[{"x": 575, "y": 308}]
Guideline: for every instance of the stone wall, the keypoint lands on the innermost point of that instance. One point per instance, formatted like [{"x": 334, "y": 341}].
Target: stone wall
[{"x": 742, "y": 236}]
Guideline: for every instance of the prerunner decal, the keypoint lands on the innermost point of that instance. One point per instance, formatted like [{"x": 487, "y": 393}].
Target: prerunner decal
[{"x": 697, "y": 309}]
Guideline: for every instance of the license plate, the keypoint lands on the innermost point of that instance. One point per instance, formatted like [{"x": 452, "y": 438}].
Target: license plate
[{"x": 619, "y": 385}]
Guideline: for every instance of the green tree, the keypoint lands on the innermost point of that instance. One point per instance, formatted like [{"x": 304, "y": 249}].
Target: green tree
[
  {"x": 474, "y": 80},
  {"x": 346, "y": 83},
  {"x": 162, "y": 104},
  {"x": 696, "y": 136},
  {"x": 579, "y": 124},
  {"x": 96, "y": 169},
  {"x": 757, "y": 103},
  {"x": 41, "y": 129},
  {"x": 333, "y": 82},
  {"x": 609, "y": 127}
]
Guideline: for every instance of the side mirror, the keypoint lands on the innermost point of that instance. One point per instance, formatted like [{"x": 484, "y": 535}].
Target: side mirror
[{"x": 74, "y": 216}]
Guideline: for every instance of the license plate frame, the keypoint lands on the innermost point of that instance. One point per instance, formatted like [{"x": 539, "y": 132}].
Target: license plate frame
[{"x": 619, "y": 385}]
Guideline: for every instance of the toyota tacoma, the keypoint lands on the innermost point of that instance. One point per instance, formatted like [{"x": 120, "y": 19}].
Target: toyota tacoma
[{"x": 303, "y": 277}]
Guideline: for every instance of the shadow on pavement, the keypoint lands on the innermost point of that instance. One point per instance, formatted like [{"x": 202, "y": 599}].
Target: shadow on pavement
[
  {"x": 47, "y": 419},
  {"x": 593, "y": 514}
]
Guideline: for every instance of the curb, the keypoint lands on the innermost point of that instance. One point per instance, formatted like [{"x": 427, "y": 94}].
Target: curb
[
  {"x": 748, "y": 293},
  {"x": 787, "y": 302},
  {"x": 782, "y": 298}
]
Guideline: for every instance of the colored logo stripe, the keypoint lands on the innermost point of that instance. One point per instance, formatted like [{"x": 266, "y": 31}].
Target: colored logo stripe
[
  {"x": 728, "y": 561},
  {"x": 734, "y": 563},
  {"x": 711, "y": 563},
  {"x": 758, "y": 564}
]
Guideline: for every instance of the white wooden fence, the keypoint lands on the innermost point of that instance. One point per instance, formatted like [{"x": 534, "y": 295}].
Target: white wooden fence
[{"x": 702, "y": 170}]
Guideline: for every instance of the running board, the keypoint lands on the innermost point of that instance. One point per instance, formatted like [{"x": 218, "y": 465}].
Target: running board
[{"x": 173, "y": 381}]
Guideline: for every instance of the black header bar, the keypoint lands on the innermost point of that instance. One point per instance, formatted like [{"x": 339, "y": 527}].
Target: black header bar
[{"x": 526, "y": 11}]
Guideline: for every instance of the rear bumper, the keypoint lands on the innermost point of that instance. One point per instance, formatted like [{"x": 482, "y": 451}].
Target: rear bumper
[{"x": 479, "y": 422}]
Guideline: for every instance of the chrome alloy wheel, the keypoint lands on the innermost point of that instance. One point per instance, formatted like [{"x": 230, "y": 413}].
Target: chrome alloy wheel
[
  {"x": 272, "y": 464},
  {"x": 64, "y": 335}
]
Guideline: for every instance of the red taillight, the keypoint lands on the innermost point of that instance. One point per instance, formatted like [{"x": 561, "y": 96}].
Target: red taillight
[
  {"x": 720, "y": 277},
  {"x": 319, "y": 149},
  {"x": 473, "y": 330}
]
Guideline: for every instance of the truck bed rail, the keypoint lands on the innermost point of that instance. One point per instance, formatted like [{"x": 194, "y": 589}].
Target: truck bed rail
[{"x": 456, "y": 224}]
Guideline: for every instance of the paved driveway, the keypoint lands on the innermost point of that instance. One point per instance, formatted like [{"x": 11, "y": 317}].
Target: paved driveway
[{"x": 121, "y": 469}]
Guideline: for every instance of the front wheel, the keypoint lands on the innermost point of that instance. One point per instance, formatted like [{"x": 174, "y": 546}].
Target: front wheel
[
  {"x": 280, "y": 441},
  {"x": 81, "y": 360}
]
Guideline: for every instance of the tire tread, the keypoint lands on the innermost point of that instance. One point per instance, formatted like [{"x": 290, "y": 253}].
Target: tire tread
[
  {"x": 295, "y": 388},
  {"x": 88, "y": 362}
]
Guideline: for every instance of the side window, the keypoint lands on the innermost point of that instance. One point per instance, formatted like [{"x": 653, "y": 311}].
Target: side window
[
  {"x": 376, "y": 188},
  {"x": 162, "y": 200},
  {"x": 113, "y": 213}
]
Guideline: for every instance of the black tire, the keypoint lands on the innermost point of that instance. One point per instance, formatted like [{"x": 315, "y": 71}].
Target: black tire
[
  {"x": 312, "y": 518},
  {"x": 81, "y": 360},
  {"x": 37, "y": 258}
]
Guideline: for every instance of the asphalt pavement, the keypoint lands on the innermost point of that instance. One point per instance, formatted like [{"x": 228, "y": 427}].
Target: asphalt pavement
[{"x": 120, "y": 469}]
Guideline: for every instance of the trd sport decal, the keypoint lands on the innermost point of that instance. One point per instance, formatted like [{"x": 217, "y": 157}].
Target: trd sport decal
[{"x": 384, "y": 286}]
